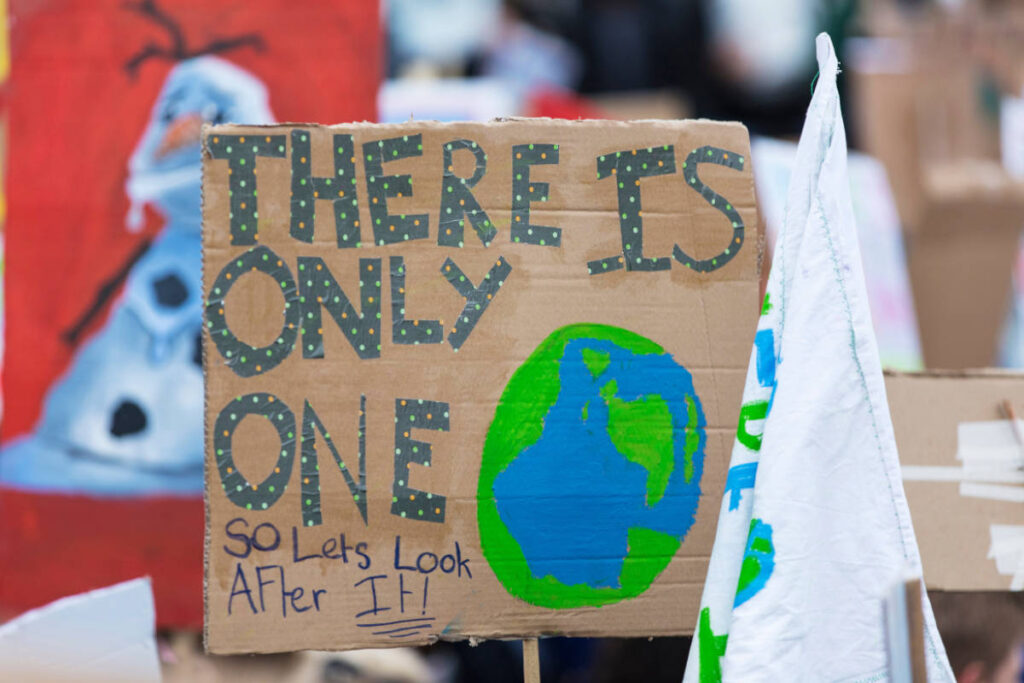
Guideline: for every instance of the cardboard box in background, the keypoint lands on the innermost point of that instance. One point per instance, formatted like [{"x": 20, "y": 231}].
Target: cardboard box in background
[
  {"x": 926, "y": 104},
  {"x": 962, "y": 477},
  {"x": 548, "y": 456},
  {"x": 961, "y": 259}
]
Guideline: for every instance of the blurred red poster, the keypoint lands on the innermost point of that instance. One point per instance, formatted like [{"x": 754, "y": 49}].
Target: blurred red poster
[{"x": 101, "y": 465}]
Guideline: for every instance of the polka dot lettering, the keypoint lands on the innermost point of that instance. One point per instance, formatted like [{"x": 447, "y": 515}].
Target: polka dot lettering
[
  {"x": 408, "y": 331},
  {"x": 626, "y": 168},
  {"x": 416, "y": 414},
  {"x": 242, "y": 178},
  {"x": 311, "y": 513},
  {"x": 388, "y": 228},
  {"x": 713, "y": 155},
  {"x": 308, "y": 189},
  {"x": 457, "y": 200},
  {"x": 318, "y": 289},
  {"x": 477, "y": 298},
  {"x": 237, "y": 487},
  {"x": 526, "y": 191},
  {"x": 244, "y": 359}
]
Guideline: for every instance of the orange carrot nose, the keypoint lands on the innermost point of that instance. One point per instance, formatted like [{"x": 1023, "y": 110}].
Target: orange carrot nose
[{"x": 183, "y": 131}]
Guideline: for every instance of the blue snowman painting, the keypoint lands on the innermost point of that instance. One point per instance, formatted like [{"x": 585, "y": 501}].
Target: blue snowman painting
[{"x": 126, "y": 418}]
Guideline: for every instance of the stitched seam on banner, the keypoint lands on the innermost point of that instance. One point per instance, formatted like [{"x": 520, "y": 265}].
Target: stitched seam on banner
[
  {"x": 853, "y": 340},
  {"x": 860, "y": 371}
]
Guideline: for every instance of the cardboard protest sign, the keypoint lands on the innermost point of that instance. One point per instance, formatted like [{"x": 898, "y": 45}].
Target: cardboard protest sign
[
  {"x": 101, "y": 446},
  {"x": 961, "y": 463},
  {"x": 469, "y": 379}
]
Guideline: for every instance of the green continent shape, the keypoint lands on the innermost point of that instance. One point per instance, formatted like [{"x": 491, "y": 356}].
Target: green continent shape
[
  {"x": 638, "y": 570},
  {"x": 596, "y": 361},
  {"x": 692, "y": 438},
  {"x": 519, "y": 423},
  {"x": 609, "y": 390},
  {"x": 642, "y": 431}
]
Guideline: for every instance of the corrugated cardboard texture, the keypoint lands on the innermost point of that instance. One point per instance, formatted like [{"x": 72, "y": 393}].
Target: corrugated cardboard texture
[
  {"x": 952, "y": 529},
  {"x": 704, "y": 320}
]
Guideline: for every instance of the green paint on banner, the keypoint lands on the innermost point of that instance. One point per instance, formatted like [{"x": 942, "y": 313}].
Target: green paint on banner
[
  {"x": 712, "y": 649},
  {"x": 751, "y": 567},
  {"x": 767, "y": 305},
  {"x": 751, "y": 412}
]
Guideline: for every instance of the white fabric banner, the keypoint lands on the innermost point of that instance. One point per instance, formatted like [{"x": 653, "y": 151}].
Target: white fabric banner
[{"x": 814, "y": 527}]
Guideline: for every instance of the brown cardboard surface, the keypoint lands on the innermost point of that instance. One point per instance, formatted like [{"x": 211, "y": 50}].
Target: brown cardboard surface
[
  {"x": 962, "y": 219},
  {"x": 886, "y": 125},
  {"x": 704, "y": 320},
  {"x": 919, "y": 108},
  {"x": 952, "y": 530},
  {"x": 961, "y": 259},
  {"x": 927, "y": 89},
  {"x": 960, "y": 271}
]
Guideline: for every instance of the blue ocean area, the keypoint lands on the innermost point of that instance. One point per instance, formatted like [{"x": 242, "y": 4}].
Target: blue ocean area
[{"x": 571, "y": 498}]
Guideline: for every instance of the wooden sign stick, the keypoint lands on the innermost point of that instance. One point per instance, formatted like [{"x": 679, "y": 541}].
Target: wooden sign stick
[
  {"x": 904, "y": 627},
  {"x": 915, "y": 628},
  {"x": 531, "y": 661}
]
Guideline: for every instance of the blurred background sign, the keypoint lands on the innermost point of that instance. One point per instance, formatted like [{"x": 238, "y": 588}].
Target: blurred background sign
[
  {"x": 878, "y": 232},
  {"x": 102, "y": 454},
  {"x": 927, "y": 89}
]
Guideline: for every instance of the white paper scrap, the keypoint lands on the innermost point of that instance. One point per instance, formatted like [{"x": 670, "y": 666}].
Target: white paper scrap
[{"x": 104, "y": 635}]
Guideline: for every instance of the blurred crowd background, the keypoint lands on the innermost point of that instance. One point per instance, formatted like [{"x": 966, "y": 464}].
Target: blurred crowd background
[
  {"x": 724, "y": 59},
  {"x": 932, "y": 104},
  {"x": 933, "y": 99}
]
